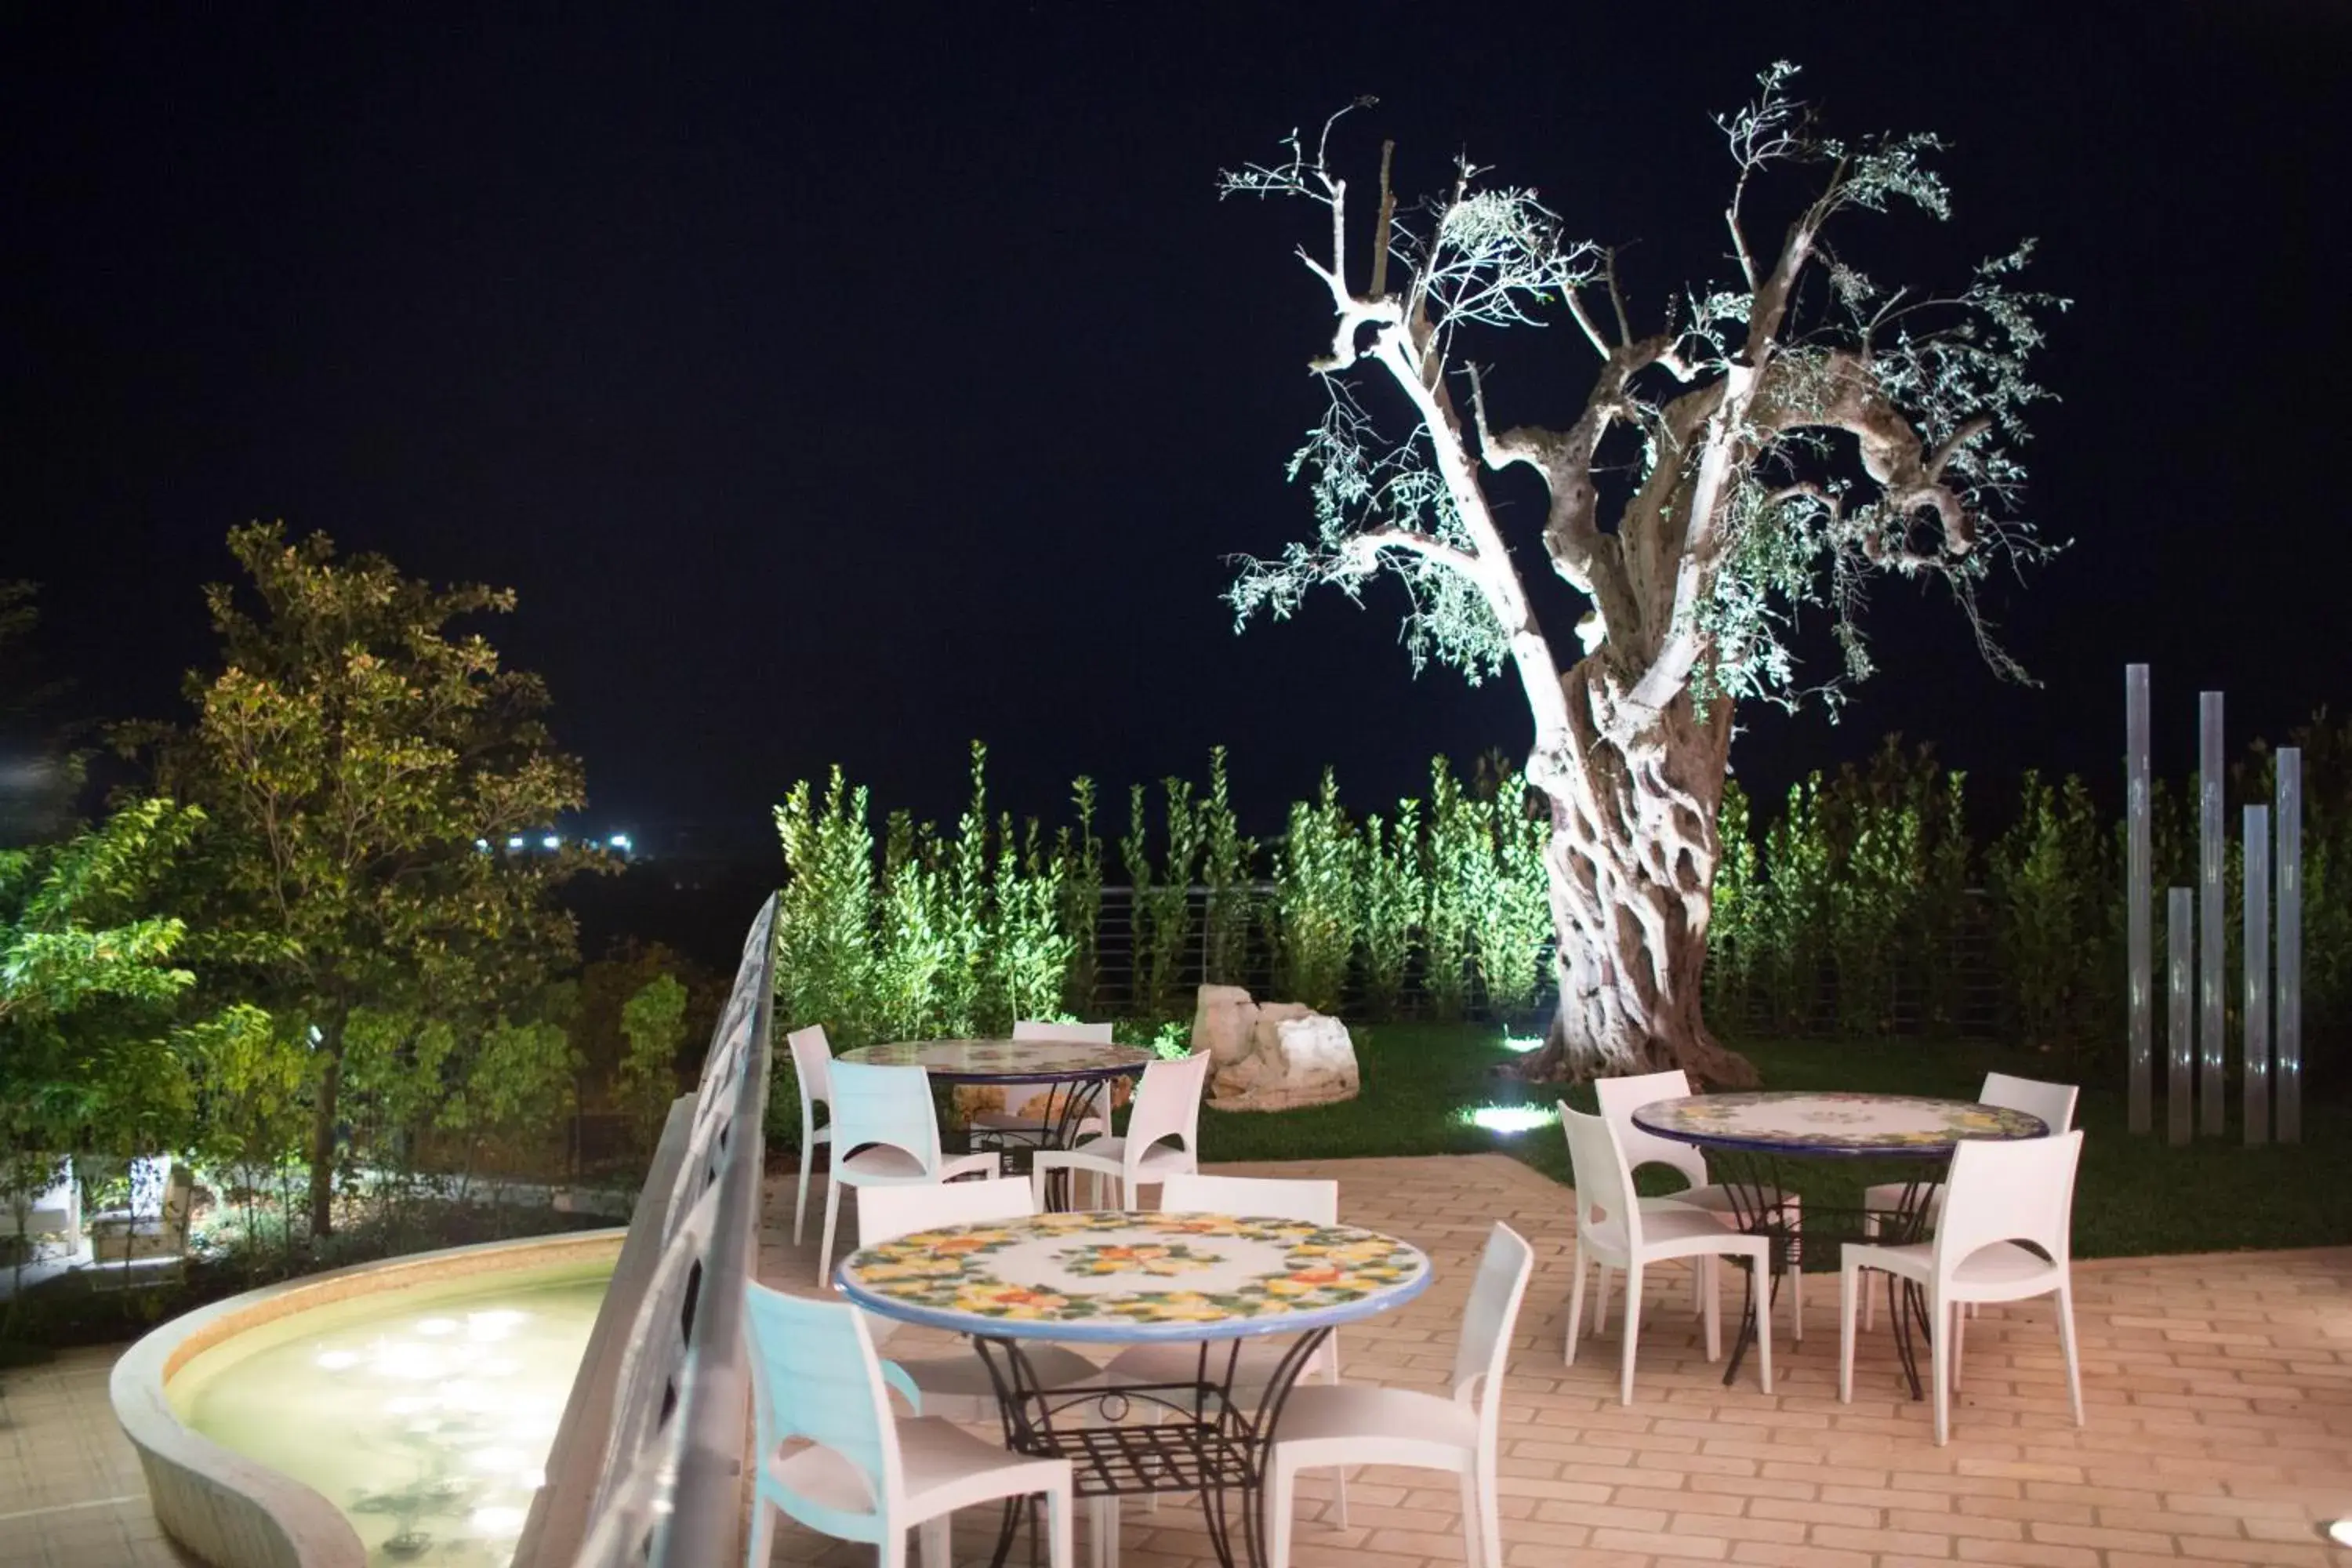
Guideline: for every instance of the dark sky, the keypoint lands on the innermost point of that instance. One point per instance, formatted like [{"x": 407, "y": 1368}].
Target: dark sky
[{"x": 842, "y": 383}]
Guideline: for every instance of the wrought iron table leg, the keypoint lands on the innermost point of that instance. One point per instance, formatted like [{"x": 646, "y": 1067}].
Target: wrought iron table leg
[{"x": 1217, "y": 1449}]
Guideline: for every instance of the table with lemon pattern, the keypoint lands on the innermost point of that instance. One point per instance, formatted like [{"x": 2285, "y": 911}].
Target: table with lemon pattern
[{"x": 1127, "y": 1277}]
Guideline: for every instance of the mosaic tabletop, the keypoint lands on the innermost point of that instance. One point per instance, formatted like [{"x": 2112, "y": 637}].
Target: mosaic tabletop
[
  {"x": 1127, "y": 1277},
  {"x": 1006, "y": 1061},
  {"x": 1856, "y": 1124}
]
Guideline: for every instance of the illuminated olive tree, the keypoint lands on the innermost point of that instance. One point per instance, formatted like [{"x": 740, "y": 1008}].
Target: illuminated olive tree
[{"x": 1770, "y": 445}]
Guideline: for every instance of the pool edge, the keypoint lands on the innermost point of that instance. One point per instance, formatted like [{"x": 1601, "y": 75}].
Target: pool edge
[{"x": 230, "y": 1510}]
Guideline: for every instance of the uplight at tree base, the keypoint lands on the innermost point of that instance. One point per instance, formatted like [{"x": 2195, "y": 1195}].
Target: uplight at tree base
[
  {"x": 1510, "y": 1119},
  {"x": 1520, "y": 1044}
]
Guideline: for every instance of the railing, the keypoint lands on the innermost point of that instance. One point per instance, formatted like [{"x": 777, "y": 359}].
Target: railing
[{"x": 662, "y": 1407}]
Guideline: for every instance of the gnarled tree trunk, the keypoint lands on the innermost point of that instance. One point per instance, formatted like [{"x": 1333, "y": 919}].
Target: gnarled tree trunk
[{"x": 1631, "y": 863}]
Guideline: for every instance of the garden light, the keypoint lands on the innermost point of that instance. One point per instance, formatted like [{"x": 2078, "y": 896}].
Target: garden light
[
  {"x": 551, "y": 842},
  {"x": 1510, "y": 1118},
  {"x": 515, "y": 841},
  {"x": 1522, "y": 1043}
]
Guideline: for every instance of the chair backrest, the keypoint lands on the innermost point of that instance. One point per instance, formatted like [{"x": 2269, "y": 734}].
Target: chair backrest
[
  {"x": 885, "y": 1214},
  {"x": 1620, "y": 1097},
  {"x": 1168, "y": 1104},
  {"x": 2020, "y": 1189},
  {"x": 887, "y": 1105},
  {"x": 1605, "y": 1206},
  {"x": 2054, "y": 1102},
  {"x": 1035, "y": 1030},
  {"x": 813, "y": 1060},
  {"x": 1316, "y": 1202},
  {"x": 1484, "y": 1345},
  {"x": 814, "y": 1375}
]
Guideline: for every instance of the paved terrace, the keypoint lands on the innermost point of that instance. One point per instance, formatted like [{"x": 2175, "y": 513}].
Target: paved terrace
[
  {"x": 2219, "y": 1392},
  {"x": 2220, "y": 1425}
]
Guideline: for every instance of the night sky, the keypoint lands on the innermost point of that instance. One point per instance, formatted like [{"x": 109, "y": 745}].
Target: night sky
[{"x": 844, "y": 383}]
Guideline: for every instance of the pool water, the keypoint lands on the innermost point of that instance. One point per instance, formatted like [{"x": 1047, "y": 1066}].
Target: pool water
[{"x": 424, "y": 1414}]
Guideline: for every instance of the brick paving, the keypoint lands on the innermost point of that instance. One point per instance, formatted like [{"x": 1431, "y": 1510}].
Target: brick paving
[
  {"x": 2219, "y": 1392},
  {"x": 2219, "y": 1388}
]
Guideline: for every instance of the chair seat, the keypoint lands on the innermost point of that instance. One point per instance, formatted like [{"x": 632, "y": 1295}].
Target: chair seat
[
  {"x": 1672, "y": 1222},
  {"x": 1364, "y": 1423},
  {"x": 1110, "y": 1153},
  {"x": 935, "y": 1457},
  {"x": 1720, "y": 1201},
  {"x": 2003, "y": 1271},
  {"x": 1165, "y": 1363},
  {"x": 965, "y": 1376},
  {"x": 1887, "y": 1197},
  {"x": 884, "y": 1165}
]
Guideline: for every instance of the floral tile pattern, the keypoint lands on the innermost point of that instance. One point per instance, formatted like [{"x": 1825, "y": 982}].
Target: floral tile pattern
[
  {"x": 1834, "y": 1122},
  {"x": 1110, "y": 1268},
  {"x": 1013, "y": 1061}
]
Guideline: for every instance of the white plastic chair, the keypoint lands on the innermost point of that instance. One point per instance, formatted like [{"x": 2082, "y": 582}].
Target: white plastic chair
[
  {"x": 1316, "y": 1202},
  {"x": 812, "y": 1062},
  {"x": 863, "y": 1474},
  {"x": 886, "y": 1134},
  {"x": 1998, "y": 1194},
  {"x": 2053, "y": 1102},
  {"x": 1167, "y": 1106},
  {"x": 1619, "y": 1097},
  {"x": 1613, "y": 1230},
  {"x": 1035, "y": 1116},
  {"x": 1365, "y": 1424},
  {"x": 958, "y": 1387}
]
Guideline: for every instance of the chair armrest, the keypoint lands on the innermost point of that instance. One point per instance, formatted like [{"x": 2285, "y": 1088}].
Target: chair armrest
[{"x": 897, "y": 1377}]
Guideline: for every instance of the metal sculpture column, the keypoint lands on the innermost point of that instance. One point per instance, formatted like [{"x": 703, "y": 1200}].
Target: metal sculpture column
[
  {"x": 2138, "y": 898},
  {"x": 2212, "y": 851},
  {"x": 2290, "y": 944},
  {"x": 2258, "y": 974},
  {"x": 2180, "y": 918}
]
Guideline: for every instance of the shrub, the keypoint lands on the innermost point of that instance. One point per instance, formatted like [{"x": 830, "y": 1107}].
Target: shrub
[{"x": 1314, "y": 900}]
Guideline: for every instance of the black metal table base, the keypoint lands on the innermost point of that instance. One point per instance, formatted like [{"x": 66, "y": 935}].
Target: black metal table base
[
  {"x": 1202, "y": 1437},
  {"x": 1072, "y": 1103},
  {"x": 1752, "y": 1178}
]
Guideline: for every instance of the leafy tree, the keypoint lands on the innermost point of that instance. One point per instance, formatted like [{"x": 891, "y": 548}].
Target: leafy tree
[
  {"x": 89, "y": 1054},
  {"x": 655, "y": 1022},
  {"x": 1770, "y": 444},
  {"x": 358, "y": 760}
]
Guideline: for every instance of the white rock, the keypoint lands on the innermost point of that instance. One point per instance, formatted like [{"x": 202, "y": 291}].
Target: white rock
[{"x": 1297, "y": 1057}]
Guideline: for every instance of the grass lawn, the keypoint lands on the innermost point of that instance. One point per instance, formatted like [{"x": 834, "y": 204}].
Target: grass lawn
[{"x": 2135, "y": 1196}]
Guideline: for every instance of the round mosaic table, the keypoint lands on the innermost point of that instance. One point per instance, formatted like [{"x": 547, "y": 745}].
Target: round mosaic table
[
  {"x": 1076, "y": 1077},
  {"x": 1753, "y": 1131},
  {"x": 1120, "y": 1278}
]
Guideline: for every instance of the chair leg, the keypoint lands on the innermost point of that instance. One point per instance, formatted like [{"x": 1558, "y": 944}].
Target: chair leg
[
  {"x": 1959, "y": 1343},
  {"x": 1764, "y": 1326},
  {"x": 1601, "y": 1304},
  {"x": 1797, "y": 1297},
  {"x": 1710, "y": 1312},
  {"x": 1276, "y": 1499},
  {"x": 1575, "y": 1303},
  {"x": 1698, "y": 1286},
  {"x": 831, "y": 1216},
  {"x": 1869, "y": 1302},
  {"x": 1940, "y": 1352},
  {"x": 763, "y": 1530},
  {"x": 936, "y": 1535},
  {"x": 1472, "y": 1526},
  {"x": 1632, "y": 1329},
  {"x": 1058, "y": 1550},
  {"x": 1103, "y": 1532},
  {"x": 2074, "y": 1355},
  {"x": 808, "y": 1163},
  {"x": 1849, "y": 1279},
  {"x": 892, "y": 1552}
]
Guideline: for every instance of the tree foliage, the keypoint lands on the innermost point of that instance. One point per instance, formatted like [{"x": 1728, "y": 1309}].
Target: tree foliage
[{"x": 357, "y": 758}]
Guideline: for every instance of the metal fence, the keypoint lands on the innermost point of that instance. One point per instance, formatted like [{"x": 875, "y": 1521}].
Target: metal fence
[
  {"x": 649, "y": 1467},
  {"x": 1965, "y": 996}
]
